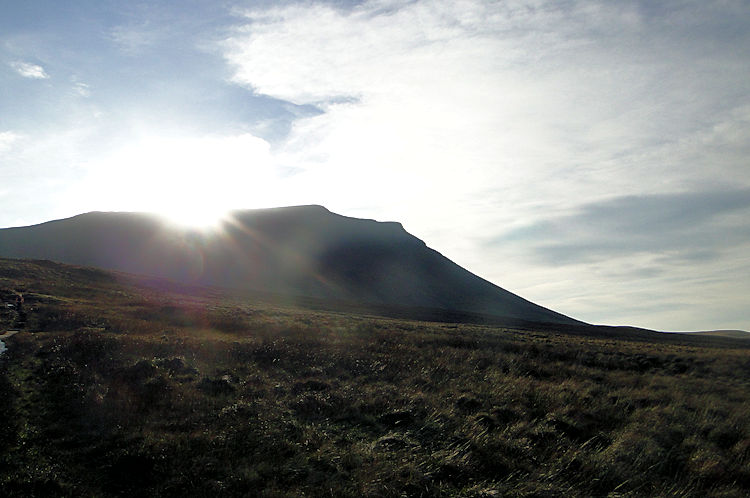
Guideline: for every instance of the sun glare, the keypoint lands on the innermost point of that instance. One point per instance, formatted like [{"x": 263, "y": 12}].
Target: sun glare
[
  {"x": 196, "y": 217},
  {"x": 190, "y": 181}
]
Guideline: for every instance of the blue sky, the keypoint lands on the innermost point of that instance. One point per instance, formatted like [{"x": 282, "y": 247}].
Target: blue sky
[{"x": 591, "y": 156}]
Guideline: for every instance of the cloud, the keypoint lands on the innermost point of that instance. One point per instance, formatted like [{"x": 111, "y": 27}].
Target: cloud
[
  {"x": 667, "y": 261},
  {"x": 7, "y": 139},
  {"x": 530, "y": 102},
  {"x": 29, "y": 70},
  {"x": 691, "y": 226},
  {"x": 407, "y": 93},
  {"x": 133, "y": 40},
  {"x": 80, "y": 88}
]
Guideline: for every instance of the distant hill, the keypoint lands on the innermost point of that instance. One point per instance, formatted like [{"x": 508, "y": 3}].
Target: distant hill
[
  {"x": 302, "y": 251},
  {"x": 735, "y": 334}
]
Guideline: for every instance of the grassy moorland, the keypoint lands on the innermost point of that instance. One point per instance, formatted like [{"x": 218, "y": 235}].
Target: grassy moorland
[{"x": 117, "y": 388}]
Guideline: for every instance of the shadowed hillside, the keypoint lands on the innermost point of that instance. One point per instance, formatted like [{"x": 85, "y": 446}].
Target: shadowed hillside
[{"x": 301, "y": 251}]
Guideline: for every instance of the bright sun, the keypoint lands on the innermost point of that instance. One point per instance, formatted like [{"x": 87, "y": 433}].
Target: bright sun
[
  {"x": 198, "y": 217},
  {"x": 192, "y": 181}
]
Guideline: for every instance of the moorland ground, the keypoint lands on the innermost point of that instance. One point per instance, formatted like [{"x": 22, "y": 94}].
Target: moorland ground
[{"x": 123, "y": 387}]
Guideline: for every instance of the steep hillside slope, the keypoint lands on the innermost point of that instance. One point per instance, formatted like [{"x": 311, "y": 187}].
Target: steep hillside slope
[{"x": 303, "y": 250}]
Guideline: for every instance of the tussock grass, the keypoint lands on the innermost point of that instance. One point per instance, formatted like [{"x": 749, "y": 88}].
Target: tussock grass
[{"x": 117, "y": 389}]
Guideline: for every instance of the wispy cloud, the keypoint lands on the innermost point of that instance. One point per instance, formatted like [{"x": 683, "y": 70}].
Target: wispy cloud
[
  {"x": 7, "y": 139},
  {"x": 671, "y": 261},
  {"x": 29, "y": 70},
  {"x": 691, "y": 226},
  {"x": 133, "y": 39},
  {"x": 81, "y": 89},
  {"x": 541, "y": 102}
]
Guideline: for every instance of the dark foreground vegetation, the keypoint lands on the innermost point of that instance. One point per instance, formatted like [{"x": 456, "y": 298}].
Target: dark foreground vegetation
[{"x": 115, "y": 388}]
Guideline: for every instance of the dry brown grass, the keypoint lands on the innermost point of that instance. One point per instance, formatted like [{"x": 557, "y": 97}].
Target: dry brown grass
[{"x": 124, "y": 390}]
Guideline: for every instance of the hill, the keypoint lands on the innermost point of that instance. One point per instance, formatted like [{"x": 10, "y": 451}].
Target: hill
[
  {"x": 735, "y": 334},
  {"x": 297, "y": 251}
]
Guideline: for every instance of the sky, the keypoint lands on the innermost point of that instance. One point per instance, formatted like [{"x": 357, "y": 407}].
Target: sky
[{"x": 590, "y": 156}]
